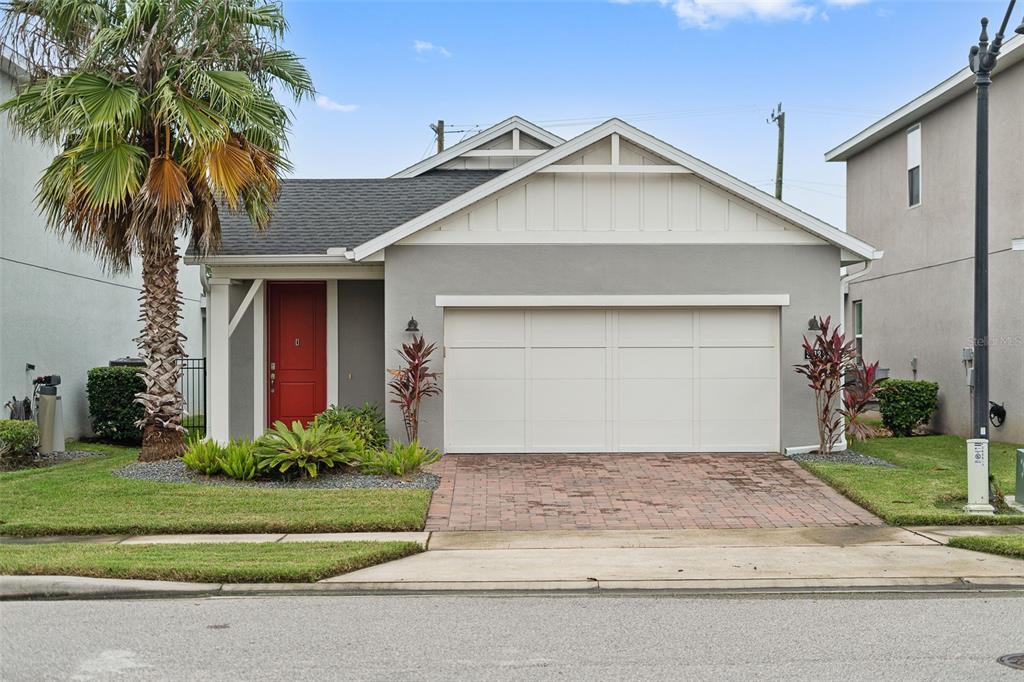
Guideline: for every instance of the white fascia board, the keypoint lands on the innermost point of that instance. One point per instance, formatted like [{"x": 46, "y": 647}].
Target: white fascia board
[
  {"x": 948, "y": 90},
  {"x": 483, "y": 137},
  {"x": 704, "y": 170},
  {"x": 615, "y": 301},
  {"x": 267, "y": 259}
]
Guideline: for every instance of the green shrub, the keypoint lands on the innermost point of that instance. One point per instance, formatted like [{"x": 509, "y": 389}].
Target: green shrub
[
  {"x": 364, "y": 425},
  {"x": 303, "y": 450},
  {"x": 204, "y": 457},
  {"x": 112, "y": 406},
  {"x": 239, "y": 460},
  {"x": 398, "y": 460},
  {"x": 18, "y": 438},
  {"x": 906, "y": 404}
]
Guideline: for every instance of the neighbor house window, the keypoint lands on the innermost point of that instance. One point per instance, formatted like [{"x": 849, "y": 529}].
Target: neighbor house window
[
  {"x": 858, "y": 326},
  {"x": 914, "y": 166}
]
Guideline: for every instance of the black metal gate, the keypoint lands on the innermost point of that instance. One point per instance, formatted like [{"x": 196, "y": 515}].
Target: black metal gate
[{"x": 193, "y": 390}]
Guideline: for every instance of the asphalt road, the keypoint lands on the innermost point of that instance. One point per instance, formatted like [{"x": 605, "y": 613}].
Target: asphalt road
[{"x": 514, "y": 638}]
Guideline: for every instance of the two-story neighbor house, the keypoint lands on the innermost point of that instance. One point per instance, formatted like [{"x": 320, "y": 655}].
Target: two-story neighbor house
[
  {"x": 59, "y": 310},
  {"x": 910, "y": 191}
]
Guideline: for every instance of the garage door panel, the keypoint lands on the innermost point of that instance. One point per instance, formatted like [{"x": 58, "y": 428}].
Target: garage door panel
[
  {"x": 485, "y": 363},
  {"x": 655, "y": 327},
  {"x": 730, "y": 435},
  {"x": 567, "y": 399},
  {"x": 655, "y": 363},
  {"x": 655, "y": 399},
  {"x": 569, "y": 436},
  {"x": 738, "y": 328},
  {"x": 738, "y": 399},
  {"x": 471, "y": 400},
  {"x": 568, "y": 328},
  {"x": 568, "y": 363},
  {"x": 485, "y": 328},
  {"x": 738, "y": 363},
  {"x": 489, "y": 436},
  {"x": 648, "y": 435}
]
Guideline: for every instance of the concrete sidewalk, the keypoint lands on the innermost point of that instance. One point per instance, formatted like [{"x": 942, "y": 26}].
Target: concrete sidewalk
[
  {"x": 857, "y": 558},
  {"x": 854, "y": 557}
]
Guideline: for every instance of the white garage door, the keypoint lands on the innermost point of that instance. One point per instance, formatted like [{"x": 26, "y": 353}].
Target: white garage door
[{"x": 622, "y": 380}]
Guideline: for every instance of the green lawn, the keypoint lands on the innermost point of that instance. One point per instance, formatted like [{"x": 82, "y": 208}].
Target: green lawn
[
  {"x": 1010, "y": 545},
  {"x": 83, "y": 497},
  {"x": 929, "y": 485},
  {"x": 234, "y": 562}
]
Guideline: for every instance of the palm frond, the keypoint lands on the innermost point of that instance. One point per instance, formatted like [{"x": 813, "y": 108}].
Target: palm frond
[{"x": 110, "y": 175}]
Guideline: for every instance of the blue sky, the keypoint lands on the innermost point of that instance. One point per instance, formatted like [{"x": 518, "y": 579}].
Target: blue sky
[{"x": 700, "y": 74}]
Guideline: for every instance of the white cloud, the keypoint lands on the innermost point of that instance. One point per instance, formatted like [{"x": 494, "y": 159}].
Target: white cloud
[
  {"x": 329, "y": 104},
  {"x": 717, "y": 13},
  {"x": 426, "y": 47}
]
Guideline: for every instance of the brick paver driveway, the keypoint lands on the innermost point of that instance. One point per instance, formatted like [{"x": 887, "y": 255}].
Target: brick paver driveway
[{"x": 633, "y": 492}]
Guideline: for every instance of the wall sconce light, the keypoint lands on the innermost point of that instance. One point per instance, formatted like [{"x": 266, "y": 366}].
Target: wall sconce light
[
  {"x": 812, "y": 325},
  {"x": 413, "y": 327}
]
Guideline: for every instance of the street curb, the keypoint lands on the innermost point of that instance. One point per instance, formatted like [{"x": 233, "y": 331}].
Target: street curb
[{"x": 23, "y": 588}]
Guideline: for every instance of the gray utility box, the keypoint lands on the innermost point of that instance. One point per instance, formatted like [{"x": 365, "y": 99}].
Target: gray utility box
[{"x": 1019, "y": 491}]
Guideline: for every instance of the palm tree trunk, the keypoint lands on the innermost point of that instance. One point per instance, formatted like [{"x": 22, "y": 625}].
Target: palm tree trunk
[{"x": 161, "y": 347}]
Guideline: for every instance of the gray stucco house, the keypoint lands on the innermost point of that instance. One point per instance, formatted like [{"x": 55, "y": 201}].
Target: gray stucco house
[
  {"x": 608, "y": 293},
  {"x": 910, "y": 191}
]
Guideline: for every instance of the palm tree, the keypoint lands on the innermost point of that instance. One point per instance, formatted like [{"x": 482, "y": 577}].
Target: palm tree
[{"x": 160, "y": 110}]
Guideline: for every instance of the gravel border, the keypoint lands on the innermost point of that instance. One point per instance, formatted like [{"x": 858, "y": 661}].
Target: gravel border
[
  {"x": 844, "y": 457},
  {"x": 175, "y": 471},
  {"x": 54, "y": 458}
]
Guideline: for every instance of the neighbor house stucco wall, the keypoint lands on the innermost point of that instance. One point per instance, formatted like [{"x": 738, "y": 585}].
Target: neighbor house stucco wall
[
  {"x": 918, "y": 300},
  {"x": 59, "y": 309},
  {"x": 415, "y": 275}
]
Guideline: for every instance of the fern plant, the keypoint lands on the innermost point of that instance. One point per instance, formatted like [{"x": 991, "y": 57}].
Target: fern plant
[
  {"x": 203, "y": 457},
  {"x": 239, "y": 460},
  {"x": 365, "y": 424},
  {"x": 401, "y": 460},
  {"x": 301, "y": 450}
]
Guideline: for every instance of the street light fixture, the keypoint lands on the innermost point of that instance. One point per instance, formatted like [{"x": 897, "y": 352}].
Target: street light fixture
[{"x": 983, "y": 57}]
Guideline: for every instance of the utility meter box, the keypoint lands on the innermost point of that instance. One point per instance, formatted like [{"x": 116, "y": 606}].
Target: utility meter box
[{"x": 977, "y": 478}]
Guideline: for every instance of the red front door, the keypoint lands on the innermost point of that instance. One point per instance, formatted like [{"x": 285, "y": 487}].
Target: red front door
[{"x": 296, "y": 351}]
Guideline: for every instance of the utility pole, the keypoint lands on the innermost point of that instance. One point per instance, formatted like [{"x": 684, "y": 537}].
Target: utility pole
[
  {"x": 438, "y": 129},
  {"x": 983, "y": 57},
  {"x": 778, "y": 116}
]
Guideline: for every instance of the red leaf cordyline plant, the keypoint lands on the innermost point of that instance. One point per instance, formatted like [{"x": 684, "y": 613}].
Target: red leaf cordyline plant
[
  {"x": 412, "y": 383},
  {"x": 828, "y": 357},
  {"x": 859, "y": 391}
]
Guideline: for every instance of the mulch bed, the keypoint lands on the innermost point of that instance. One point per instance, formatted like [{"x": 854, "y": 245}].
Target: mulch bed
[
  {"x": 47, "y": 460},
  {"x": 844, "y": 457},
  {"x": 175, "y": 471}
]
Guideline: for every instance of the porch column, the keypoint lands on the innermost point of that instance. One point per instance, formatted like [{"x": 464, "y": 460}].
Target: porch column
[{"x": 218, "y": 398}]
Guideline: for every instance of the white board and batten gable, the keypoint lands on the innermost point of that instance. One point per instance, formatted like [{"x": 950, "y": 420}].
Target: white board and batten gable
[
  {"x": 505, "y": 145},
  {"x": 617, "y": 185}
]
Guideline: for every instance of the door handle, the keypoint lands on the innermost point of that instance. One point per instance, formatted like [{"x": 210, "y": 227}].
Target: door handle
[{"x": 273, "y": 375}]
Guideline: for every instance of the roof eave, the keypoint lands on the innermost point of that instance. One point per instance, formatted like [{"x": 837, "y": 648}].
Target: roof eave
[{"x": 948, "y": 90}]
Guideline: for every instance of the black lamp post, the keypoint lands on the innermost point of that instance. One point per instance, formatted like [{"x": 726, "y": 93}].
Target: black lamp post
[{"x": 983, "y": 61}]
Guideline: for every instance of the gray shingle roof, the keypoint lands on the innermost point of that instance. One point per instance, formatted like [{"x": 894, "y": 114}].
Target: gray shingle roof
[{"x": 312, "y": 216}]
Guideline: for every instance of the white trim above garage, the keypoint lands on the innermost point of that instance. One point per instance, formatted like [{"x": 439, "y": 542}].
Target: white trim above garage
[{"x": 616, "y": 301}]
